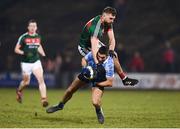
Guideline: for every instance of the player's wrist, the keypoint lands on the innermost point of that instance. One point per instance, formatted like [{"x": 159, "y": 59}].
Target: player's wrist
[
  {"x": 43, "y": 55},
  {"x": 112, "y": 53}
]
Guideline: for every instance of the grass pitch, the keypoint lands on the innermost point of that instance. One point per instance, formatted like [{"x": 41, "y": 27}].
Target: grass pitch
[{"x": 122, "y": 109}]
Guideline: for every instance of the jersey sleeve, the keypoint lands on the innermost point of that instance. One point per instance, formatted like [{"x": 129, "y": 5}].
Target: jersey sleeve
[
  {"x": 110, "y": 68},
  {"x": 20, "y": 40},
  {"x": 94, "y": 29},
  {"x": 88, "y": 57}
]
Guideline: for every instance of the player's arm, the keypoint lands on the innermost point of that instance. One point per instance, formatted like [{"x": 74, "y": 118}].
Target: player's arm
[
  {"x": 94, "y": 47},
  {"x": 18, "y": 50},
  {"x": 88, "y": 57},
  {"x": 41, "y": 50},
  {"x": 112, "y": 41},
  {"x": 107, "y": 83},
  {"x": 83, "y": 62}
]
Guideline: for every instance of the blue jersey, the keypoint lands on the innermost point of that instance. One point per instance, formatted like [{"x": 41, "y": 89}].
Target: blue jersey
[{"x": 108, "y": 64}]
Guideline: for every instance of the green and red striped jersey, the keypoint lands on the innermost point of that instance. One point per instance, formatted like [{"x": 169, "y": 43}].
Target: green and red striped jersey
[
  {"x": 95, "y": 28},
  {"x": 29, "y": 44}
]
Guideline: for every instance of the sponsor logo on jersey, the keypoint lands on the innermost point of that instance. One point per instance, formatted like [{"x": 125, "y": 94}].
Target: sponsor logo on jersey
[{"x": 32, "y": 41}]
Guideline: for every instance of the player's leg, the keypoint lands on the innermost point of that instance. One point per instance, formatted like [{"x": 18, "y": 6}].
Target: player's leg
[
  {"x": 118, "y": 67},
  {"x": 26, "y": 72},
  {"x": 97, "y": 94},
  {"x": 38, "y": 73},
  {"x": 25, "y": 82},
  {"x": 120, "y": 72},
  {"x": 75, "y": 85}
]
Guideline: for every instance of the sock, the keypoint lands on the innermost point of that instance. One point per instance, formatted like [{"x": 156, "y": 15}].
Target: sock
[
  {"x": 122, "y": 75},
  {"x": 98, "y": 109},
  {"x": 61, "y": 105}
]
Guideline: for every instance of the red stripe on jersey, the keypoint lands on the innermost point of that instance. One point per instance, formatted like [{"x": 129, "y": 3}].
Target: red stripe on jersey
[{"x": 89, "y": 23}]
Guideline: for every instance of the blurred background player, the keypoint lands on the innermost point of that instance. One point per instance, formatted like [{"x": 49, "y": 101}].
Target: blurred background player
[
  {"x": 100, "y": 81},
  {"x": 93, "y": 31},
  {"x": 29, "y": 47}
]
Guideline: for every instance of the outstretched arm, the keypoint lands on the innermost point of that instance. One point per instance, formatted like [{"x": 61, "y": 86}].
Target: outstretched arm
[
  {"x": 94, "y": 47},
  {"x": 117, "y": 64},
  {"x": 112, "y": 42}
]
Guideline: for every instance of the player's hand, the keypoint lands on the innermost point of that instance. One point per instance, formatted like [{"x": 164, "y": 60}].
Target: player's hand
[
  {"x": 87, "y": 74},
  {"x": 100, "y": 73},
  {"x": 100, "y": 68},
  {"x": 129, "y": 81},
  {"x": 112, "y": 53}
]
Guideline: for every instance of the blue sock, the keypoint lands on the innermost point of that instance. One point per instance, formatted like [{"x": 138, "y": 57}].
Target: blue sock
[{"x": 98, "y": 109}]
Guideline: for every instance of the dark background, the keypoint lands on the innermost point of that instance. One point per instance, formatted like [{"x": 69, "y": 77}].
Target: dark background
[{"x": 141, "y": 26}]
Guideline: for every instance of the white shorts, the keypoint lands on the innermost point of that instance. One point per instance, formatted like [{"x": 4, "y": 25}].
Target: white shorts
[
  {"x": 27, "y": 68},
  {"x": 84, "y": 51}
]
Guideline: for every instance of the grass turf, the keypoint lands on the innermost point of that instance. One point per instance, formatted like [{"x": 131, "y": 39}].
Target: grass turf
[{"x": 122, "y": 109}]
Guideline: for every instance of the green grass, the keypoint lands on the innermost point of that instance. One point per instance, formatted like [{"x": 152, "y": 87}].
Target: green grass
[{"x": 133, "y": 109}]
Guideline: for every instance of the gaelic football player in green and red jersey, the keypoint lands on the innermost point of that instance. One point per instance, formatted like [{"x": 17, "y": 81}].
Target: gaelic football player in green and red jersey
[
  {"x": 29, "y": 47},
  {"x": 93, "y": 31}
]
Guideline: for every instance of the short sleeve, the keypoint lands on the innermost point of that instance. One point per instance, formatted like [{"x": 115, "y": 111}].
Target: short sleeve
[
  {"x": 94, "y": 29},
  {"x": 109, "y": 68},
  {"x": 20, "y": 40},
  {"x": 88, "y": 57}
]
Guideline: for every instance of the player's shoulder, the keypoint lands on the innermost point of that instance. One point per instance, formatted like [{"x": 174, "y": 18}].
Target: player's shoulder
[
  {"x": 96, "y": 19},
  {"x": 89, "y": 55},
  {"x": 22, "y": 36},
  {"x": 38, "y": 35}
]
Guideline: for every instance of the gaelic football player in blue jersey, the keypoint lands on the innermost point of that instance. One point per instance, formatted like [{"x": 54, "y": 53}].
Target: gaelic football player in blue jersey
[{"x": 98, "y": 82}]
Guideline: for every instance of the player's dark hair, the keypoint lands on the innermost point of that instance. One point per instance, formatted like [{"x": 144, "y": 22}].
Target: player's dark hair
[
  {"x": 103, "y": 50},
  {"x": 32, "y": 21},
  {"x": 110, "y": 10}
]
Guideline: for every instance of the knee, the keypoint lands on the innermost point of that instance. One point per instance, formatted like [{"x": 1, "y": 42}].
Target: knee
[{"x": 26, "y": 81}]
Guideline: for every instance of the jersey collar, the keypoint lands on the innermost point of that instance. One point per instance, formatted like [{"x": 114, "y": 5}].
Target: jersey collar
[
  {"x": 106, "y": 60},
  {"x": 31, "y": 34}
]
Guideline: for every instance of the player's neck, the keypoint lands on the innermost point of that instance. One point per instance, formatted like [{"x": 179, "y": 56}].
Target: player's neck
[
  {"x": 31, "y": 33},
  {"x": 102, "y": 19}
]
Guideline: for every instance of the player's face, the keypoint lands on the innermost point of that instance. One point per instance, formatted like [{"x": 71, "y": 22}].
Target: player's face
[
  {"x": 109, "y": 18},
  {"x": 32, "y": 27},
  {"x": 101, "y": 57}
]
